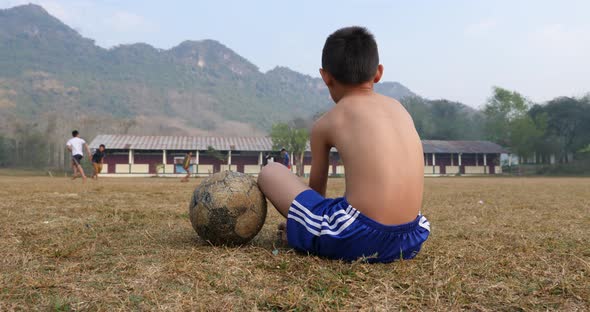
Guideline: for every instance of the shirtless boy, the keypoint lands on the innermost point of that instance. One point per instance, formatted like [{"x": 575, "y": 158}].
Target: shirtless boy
[{"x": 379, "y": 217}]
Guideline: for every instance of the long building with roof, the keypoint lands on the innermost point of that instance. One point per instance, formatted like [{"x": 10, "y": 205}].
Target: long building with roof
[{"x": 130, "y": 155}]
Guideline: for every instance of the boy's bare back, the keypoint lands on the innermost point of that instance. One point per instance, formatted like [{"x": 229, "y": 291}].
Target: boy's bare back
[
  {"x": 381, "y": 152},
  {"x": 379, "y": 216}
]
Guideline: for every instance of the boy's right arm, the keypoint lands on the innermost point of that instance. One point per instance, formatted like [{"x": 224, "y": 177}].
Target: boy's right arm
[{"x": 320, "y": 153}]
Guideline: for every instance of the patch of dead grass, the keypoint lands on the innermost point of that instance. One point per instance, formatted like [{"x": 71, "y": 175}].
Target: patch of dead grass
[{"x": 127, "y": 244}]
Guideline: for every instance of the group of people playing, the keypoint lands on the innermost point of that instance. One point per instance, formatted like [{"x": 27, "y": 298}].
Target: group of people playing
[{"x": 76, "y": 146}]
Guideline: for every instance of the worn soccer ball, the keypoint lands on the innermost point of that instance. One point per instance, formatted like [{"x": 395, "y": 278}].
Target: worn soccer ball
[{"x": 228, "y": 208}]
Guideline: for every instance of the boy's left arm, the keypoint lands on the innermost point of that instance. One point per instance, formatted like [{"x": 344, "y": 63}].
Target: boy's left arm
[{"x": 320, "y": 152}]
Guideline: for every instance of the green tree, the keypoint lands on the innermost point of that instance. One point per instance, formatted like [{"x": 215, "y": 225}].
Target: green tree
[
  {"x": 525, "y": 135},
  {"x": 507, "y": 122},
  {"x": 211, "y": 151},
  {"x": 567, "y": 123},
  {"x": 6, "y": 151},
  {"x": 501, "y": 109},
  {"x": 293, "y": 139}
]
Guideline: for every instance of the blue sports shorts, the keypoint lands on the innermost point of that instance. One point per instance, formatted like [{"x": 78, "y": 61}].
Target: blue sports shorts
[{"x": 332, "y": 228}]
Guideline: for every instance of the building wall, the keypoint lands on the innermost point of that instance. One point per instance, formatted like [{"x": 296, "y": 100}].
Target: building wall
[
  {"x": 244, "y": 159},
  {"x": 152, "y": 159},
  {"x": 112, "y": 158},
  {"x": 248, "y": 161}
]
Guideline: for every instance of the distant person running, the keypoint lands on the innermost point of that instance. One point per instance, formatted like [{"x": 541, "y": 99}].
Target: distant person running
[
  {"x": 186, "y": 164},
  {"x": 98, "y": 160},
  {"x": 77, "y": 145},
  {"x": 285, "y": 158}
]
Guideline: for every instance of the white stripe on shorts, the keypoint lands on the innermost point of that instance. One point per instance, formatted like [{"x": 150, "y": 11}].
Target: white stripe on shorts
[
  {"x": 424, "y": 223},
  {"x": 328, "y": 231},
  {"x": 324, "y": 217},
  {"x": 300, "y": 210}
]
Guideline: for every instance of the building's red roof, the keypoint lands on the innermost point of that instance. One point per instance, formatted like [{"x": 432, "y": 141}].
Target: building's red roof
[{"x": 261, "y": 144}]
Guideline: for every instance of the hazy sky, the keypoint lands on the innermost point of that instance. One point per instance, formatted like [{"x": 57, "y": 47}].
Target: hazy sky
[{"x": 453, "y": 49}]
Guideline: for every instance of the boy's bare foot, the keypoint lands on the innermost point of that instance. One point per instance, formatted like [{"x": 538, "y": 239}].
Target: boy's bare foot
[
  {"x": 282, "y": 233},
  {"x": 84, "y": 179}
]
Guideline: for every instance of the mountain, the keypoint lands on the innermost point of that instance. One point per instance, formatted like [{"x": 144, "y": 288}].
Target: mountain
[{"x": 47, "y": 68}]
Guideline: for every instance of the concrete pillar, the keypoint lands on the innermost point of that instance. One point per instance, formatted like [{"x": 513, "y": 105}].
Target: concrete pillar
[
  {"x": 485, "y": 163},
  {"x": 260, "y": 159},
  {"x": 433, "y": 164},
  {"x": 509, "y": 160},
  {"x": 452, "y": 159},
  {"x": 552, "y": 159},
  {"x": 425, "y": 160},
  {"x": 534, "y": 157},
  {"x": 476, "y": 160},
  {"x": 197, "y": 161},
  {"x": 131, "y": 159},
  {"x": 460, "y": 159},
  {"x": 229, "y": 160},
  {"x": 164, "y": 160}
]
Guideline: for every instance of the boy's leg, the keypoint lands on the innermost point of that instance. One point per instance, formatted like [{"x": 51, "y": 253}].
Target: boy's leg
[
  {"x": 95, "y": 166},
  {"x": 185, "y": 179},
  {"x": 280, "y": 186},
  {"x": 79, "y": 166},
  {"x": 81, "y": 171},
  {"x": 74, "y": 169}
]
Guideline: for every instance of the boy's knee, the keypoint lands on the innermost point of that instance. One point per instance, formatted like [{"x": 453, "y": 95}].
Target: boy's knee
[
  {"x": 265, "y": 171},
  {"x": 268, "y": 171}
]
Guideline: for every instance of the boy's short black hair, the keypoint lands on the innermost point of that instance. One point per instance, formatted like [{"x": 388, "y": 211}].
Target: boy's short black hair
[
  {"x": 75, "y": 133},
  {"x": 350, "y": 55},
  {"x": 102, "y": 145}
]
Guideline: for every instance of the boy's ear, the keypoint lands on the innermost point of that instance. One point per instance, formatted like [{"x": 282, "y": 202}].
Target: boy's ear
[
  {"x": 327, "y": 77},
  {"x": 378, "y": 74}
]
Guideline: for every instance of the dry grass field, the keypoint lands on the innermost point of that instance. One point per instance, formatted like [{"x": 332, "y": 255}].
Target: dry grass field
[{"x": 127, "y": 244}]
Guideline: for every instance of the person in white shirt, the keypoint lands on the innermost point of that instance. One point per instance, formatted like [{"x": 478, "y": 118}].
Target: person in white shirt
[{"x": 77, "y": 145}]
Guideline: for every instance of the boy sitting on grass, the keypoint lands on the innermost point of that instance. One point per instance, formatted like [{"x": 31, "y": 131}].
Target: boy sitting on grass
[{"x": 379, "y": 216}]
